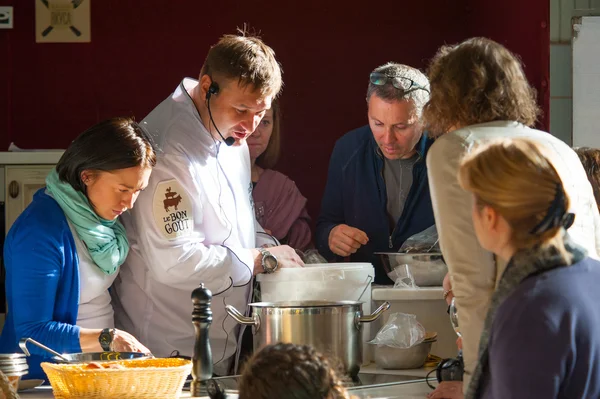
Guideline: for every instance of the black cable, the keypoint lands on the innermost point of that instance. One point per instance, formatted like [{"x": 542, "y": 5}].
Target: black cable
[{"x": 427, "y": 378}]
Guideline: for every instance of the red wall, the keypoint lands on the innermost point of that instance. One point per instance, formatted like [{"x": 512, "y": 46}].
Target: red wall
[
  {"x": 523, "y": 27},
  {"x": 49, "y": 93}
]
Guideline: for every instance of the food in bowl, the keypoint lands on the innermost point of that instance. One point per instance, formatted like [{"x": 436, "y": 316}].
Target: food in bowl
[
  {"x": 96, "y": 365},
  {"x": 100, "y": 357}
]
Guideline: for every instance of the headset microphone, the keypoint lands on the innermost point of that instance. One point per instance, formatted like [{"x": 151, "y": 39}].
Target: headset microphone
[{"x": 214, "y": 89}]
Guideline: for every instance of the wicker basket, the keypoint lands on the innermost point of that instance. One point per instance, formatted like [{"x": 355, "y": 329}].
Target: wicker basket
[
  {"x": 139, "y": 379},
  {"x": 8, "y": 386}
]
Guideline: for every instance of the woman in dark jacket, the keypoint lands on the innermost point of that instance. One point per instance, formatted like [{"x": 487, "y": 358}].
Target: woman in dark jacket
[{"x": 540, "y": 338}]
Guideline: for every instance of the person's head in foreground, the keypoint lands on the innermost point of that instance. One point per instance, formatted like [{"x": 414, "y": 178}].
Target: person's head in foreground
[{"x": 288, "y": 371}]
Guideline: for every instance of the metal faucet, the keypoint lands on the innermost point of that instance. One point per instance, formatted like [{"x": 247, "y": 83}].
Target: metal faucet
[{"x": 202, "y": 365}]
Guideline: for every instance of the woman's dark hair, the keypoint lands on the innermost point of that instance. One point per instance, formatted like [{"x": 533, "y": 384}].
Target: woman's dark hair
[
  {"x": 268, "y": 159},
  {"x": 116, "y": 143},
  {"x": 590, "y": 158},
  {"x": 287, "y": 371}
]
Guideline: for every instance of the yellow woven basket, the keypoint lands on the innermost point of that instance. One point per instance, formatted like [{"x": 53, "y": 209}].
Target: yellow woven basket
[{"x": 139, "y": 379}]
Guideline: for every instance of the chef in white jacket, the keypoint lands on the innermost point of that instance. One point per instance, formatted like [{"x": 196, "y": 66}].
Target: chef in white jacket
[{"x": 195, "y": 223}]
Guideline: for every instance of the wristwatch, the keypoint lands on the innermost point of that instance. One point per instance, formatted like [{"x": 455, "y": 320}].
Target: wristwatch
[
  {"x": 106, "y": 338},
  {"x": 269, "y": 261}
]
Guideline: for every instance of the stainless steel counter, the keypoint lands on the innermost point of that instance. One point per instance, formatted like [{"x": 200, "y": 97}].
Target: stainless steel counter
[
  {"x": 372, "y": 383},
  {"x": 401, "y": 390}
]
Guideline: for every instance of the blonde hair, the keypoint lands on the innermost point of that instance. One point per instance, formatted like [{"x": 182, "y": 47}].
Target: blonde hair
[
  {"x": 517, "y": 180},
  {"x": 477, "y": 81}
]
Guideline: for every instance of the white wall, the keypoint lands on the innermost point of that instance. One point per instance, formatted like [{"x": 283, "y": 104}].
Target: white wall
[{"x": 561, "y": 93}]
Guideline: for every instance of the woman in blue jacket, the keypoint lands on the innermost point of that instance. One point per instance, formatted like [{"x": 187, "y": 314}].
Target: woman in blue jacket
[
  {"x": 64, "y": 251},
  {"x": 540, "y": 337}
]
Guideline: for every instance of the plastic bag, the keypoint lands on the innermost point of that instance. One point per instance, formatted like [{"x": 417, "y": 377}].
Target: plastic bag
[
  {"x": 426, "y": 241},
  {"x": 402, "y": 330},
  {"x": 403, "y": 277},
  {"x": 311, "y": 256}
]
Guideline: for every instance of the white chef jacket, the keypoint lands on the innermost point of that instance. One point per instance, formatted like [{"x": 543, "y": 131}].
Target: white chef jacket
[{"x": 193, "y": 224}]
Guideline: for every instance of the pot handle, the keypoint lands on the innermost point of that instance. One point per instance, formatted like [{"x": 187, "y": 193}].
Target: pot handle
[
  {"x": 375, "y": 315},
  {"x": 240, "y": 318},
  {"x": 23, "y": 344}
]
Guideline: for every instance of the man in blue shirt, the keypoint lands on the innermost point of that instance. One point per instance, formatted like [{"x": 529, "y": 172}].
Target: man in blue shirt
[{"x": 377, "y": 192}]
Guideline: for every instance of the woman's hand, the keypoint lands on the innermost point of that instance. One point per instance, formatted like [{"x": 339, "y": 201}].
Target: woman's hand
[
  {"x": 125, "y": 342},
  {"x": 448, "y": 390},
  {"x": 447, "y": 286}
]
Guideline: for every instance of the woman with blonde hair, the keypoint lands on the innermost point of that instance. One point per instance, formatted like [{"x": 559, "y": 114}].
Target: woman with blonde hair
[
  {"x": 540, "y": 335},
  {"x": 479, "y": 92}
]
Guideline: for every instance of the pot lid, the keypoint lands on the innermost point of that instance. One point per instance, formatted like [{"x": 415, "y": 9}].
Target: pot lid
[{"x": 305, "y": 304}]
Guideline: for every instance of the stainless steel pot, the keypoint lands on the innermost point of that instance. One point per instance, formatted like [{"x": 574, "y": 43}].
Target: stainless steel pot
[{"x": 333, "y": 328}]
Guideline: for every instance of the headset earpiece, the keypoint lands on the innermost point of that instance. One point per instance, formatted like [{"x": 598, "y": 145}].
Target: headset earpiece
[{"x": 212, "y": 89}]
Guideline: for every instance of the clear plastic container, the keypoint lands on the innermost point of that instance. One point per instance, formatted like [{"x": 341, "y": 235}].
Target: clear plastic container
[{"x": 325, "y": 282}]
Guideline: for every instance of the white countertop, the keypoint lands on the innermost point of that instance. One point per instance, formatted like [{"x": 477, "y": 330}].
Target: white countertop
[
  {"x": 382, "y": 293},
  {"x": 372, "y": 368},
  {"x": 30, "y": 157},
  {"x": 45, "y": 392}
]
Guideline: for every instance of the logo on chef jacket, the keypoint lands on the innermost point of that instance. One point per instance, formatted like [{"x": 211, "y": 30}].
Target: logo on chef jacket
[{"x": 172, "y": 210}]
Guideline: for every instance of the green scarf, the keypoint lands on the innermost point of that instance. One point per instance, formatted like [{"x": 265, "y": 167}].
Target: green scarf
[{"x": 105, "y": 239}]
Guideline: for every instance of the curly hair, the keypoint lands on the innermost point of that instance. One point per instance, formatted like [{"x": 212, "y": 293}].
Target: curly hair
[
  {"x": 288, "y": 371},
  {"x": 590, "y": 158},
  {"x": 477, "y": 81}
]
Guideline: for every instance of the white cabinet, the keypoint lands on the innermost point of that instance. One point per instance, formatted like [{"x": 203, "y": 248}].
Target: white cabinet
[
  {"x": 20, "y": 184},
  {"x": 27, "y": 172}
]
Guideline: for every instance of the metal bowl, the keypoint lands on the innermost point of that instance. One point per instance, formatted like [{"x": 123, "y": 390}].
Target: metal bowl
[
  {"x": 391, "y": 358},
  {"x": 428, "y": 269},
  {"x": 100, "y": 357}
]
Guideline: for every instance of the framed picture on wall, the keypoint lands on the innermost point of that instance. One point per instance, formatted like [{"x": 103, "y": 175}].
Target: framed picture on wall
[{"x": 62, "y": 21}]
